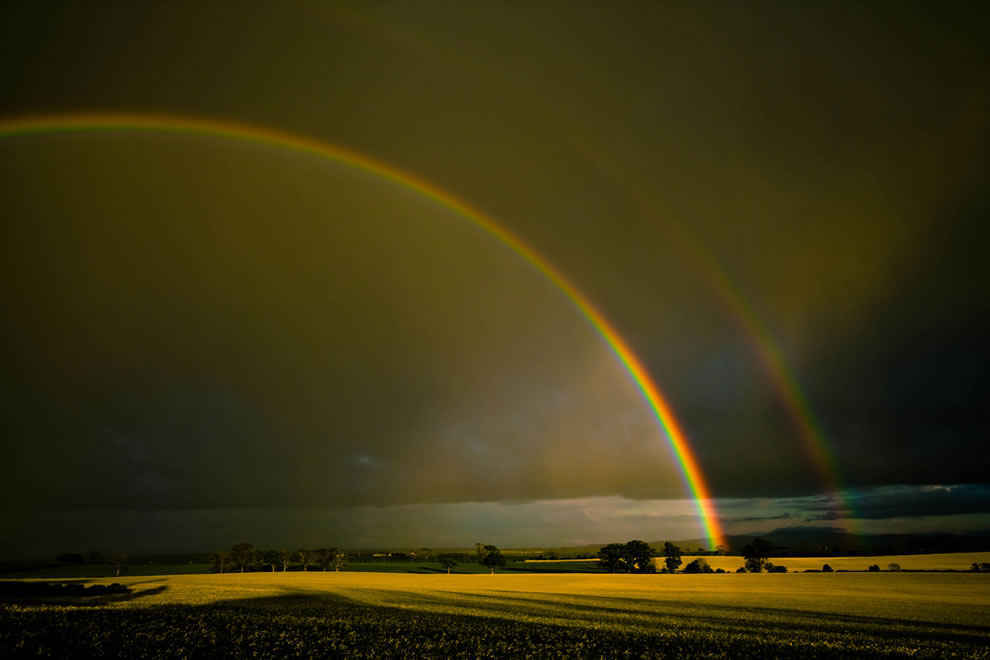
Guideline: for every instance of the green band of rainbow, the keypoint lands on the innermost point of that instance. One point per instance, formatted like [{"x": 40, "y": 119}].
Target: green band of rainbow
[{"x": 650, "y": 391}]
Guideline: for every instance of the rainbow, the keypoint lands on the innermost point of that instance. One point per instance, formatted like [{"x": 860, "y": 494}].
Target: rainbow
[
  {"x": 807, "y": 426},
  {"x": 266, "y": 136}
]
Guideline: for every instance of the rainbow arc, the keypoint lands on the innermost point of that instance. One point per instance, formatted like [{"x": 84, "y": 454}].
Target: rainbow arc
[{"x": 661, "y": 409}]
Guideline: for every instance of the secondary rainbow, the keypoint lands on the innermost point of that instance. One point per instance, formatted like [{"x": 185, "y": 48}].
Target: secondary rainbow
[
  {"x": 165, "y": 123},
  {"x": 809, "y": 429}
]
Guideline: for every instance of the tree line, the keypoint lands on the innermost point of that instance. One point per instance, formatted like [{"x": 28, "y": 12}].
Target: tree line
[
  {"x": 245, "y": 557},
  {"x": 638, "y": 557}
]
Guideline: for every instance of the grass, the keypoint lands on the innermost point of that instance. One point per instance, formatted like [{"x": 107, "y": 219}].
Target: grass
[{"x": 363, "y": 613}]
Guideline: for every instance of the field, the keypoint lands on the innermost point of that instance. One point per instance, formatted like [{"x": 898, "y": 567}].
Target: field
[
  {"x": 360, "y": 613},
  {"x": 954, "y": 561}
]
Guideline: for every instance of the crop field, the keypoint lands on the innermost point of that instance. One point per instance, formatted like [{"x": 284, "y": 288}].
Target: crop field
[
  {"x": 954, "y": 561},
  {"x": 363, "y": 614}
]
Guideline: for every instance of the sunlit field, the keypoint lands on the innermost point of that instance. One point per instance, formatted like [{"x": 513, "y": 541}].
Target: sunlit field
[
  {"x": 318, "y": 613},
  {"x": 949, "y": 561}
]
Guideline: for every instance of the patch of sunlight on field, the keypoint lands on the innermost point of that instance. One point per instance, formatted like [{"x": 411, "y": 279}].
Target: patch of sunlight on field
[
  {"x": 620, "y": 600},
  {"x": 797, "y": 615}
]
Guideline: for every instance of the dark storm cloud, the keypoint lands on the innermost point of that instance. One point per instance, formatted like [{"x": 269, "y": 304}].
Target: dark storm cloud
[
  {"x": 905, "y": 502},
  {"x": 742, "y": 519},
  {"x": 197, "y": 324}
]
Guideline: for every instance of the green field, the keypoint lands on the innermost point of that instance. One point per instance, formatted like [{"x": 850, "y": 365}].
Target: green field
[{"x": 364, "y": 613}]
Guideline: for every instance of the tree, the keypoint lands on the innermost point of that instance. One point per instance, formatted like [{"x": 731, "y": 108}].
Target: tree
[
  {"x": 493, "y": 558},
  {"x": 242, "y": 554},
  {"x": 447, "y": 562},
  {"x": 610, "y": 556},
  {"x": 638, "y": 556},
  {"x": 826, "y": 568},
  {"x": 893, "y": 566},
  {"x": 325, "y": 557},
  {"x": 756, "y": 554},
  {"x": 304, "y": 557},
  {"x": 699, "y": 565},
  {"x": 285, "y": 557},
  {"x": 219, "y": 560},
  {"x": 874, "y": 568},
  {"x": 338, "y": 560},
  {"x": 272, "y": 558},
  {"x": 118, "y": 559},
  {"x": 673, "y": 556}
]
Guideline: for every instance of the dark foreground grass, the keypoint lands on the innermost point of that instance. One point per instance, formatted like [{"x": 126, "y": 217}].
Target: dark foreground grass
[{"x": 320, "y": 626}]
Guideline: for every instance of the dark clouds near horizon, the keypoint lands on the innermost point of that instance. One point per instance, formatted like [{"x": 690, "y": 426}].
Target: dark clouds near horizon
[{"x": 194, "y": 322}]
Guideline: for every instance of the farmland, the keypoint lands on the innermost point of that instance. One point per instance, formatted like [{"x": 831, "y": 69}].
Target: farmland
[
  {"x": 950, "y": 561},
  {"x": 317, "y": 613}
]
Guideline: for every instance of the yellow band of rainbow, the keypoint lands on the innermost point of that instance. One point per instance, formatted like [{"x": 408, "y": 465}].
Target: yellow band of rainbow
[{"x": 650, "y": 391}]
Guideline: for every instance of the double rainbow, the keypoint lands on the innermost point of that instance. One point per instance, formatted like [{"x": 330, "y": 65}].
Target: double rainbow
[{"x": 169, "y": 124}]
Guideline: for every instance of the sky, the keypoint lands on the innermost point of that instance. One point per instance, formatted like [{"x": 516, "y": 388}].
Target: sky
[{"x": 210, "y": 339}]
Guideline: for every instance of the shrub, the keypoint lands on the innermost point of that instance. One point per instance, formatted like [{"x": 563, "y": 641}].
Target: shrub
[
  {"x": 873, "y": 568},
  {"x": 893, "y": 566},
  {"x": 699, "y": 565},
  {"x": 826, "y": 569}
]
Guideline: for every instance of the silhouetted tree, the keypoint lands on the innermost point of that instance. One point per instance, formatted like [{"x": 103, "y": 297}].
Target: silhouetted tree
[
  {"x": 242, "y": 554},
  {"x": 610, "y": 556},
  {"x": 893, "y": 566},
  {"x": 272, "y": 558},
  {"x": 874, "y": 568},
  {"x": 756, "y": 554},
  {"x": 220, "y": 560},
  {"x": 672, "y": 556},
  {"x": 324, "y": 557},
  {"x": 448, "y": 563},
  {"x": 118, "y": 560},
  {"x": 699, "y": 565},
  {"x": 638, "y": 556},
  {"x": 826, "y": 568},
  {"x": 285, "y": 557},
  {"x": 493, "y": 558},
  {"x": 338, "y": 560},
  {"x": 304, "y": 557}
]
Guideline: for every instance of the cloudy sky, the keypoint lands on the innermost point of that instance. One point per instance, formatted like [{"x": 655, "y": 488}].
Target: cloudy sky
[{"x": 208, "y": 339}]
